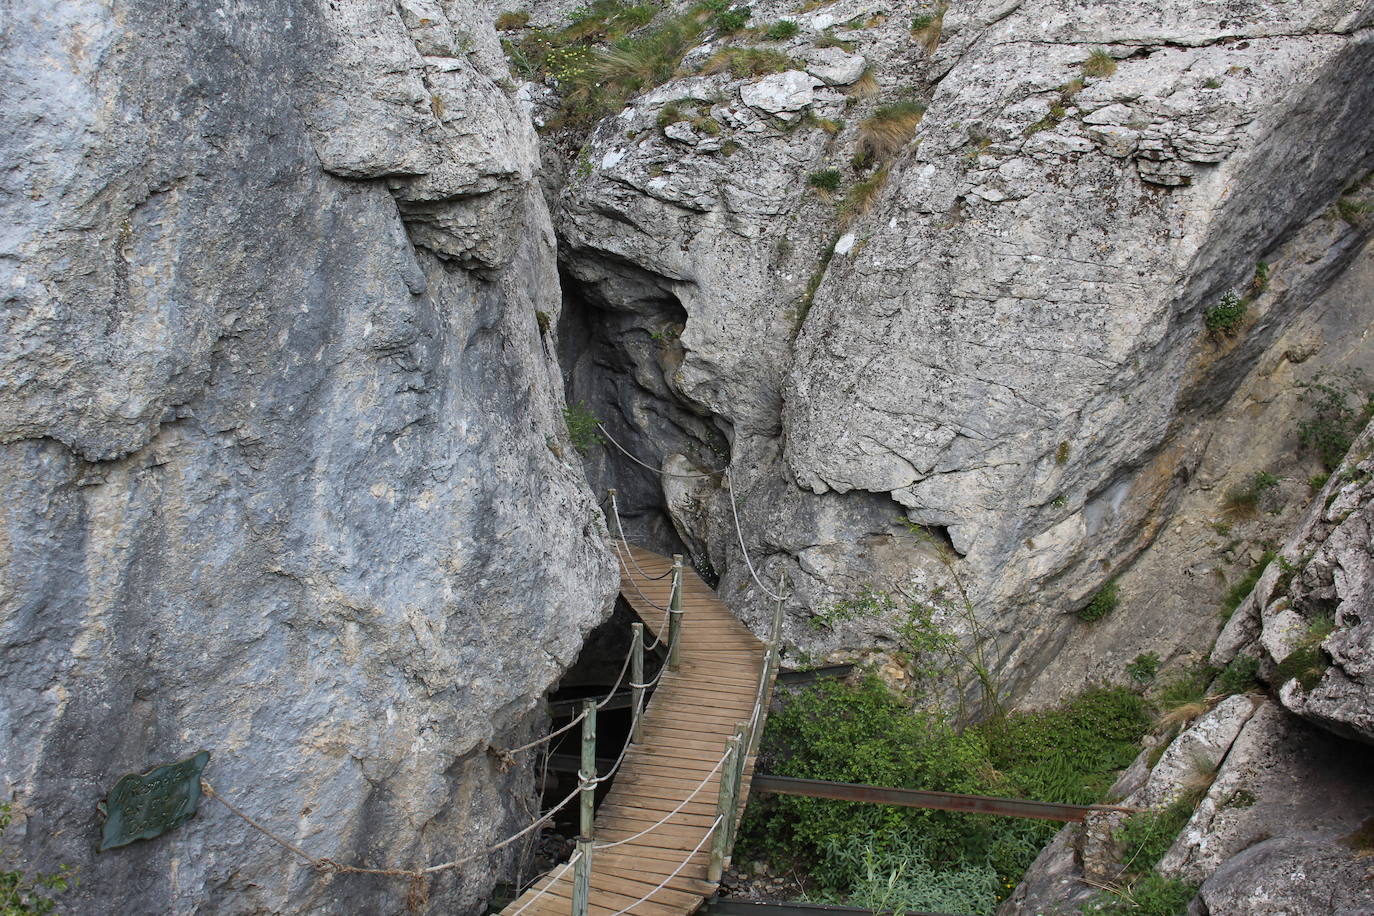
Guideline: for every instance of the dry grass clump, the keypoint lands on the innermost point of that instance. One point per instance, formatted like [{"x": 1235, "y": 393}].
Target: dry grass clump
[
  {"x": 861, "y": 195},
  {"x": 512, "y": 19},
  {"x": 926, "y": 29},
  {"x": 743, "y": 62},
  {"x": 883, "y": 133},
  {"x": 1099, "y": 64}
]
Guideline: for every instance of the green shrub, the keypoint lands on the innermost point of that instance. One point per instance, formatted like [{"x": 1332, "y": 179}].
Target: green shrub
[
  {"x": 725, "y": 16},
  {"x": 906, "y": 878},
  {"x": 1334, "y": 422},
  {"x": 1143, "y": 668},
  {"x": 825, "y": 180},
  {"x": 22, "y": 893},
  {"x": 582, "y": 427},
  {"x": 1244, "y": 499},
  {"x": 863, "y": 733},
  {"x": 1146, "y": 836},
  {"x": 782, "y": 30},
  {"x": 1102, "y": 604},
  {"x": 1225, "y": 317}
]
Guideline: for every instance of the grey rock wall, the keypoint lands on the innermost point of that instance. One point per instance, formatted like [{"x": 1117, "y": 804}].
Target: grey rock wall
[
  {"x": 1008, "y": 347},
  {"x": 280, "y": 442}
]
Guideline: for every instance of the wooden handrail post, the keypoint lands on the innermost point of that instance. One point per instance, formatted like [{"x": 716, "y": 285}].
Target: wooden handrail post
[
  {"x": 741, "y": 743},
  {"x": 725, "y": 806},
  {"x": 637, "y": 682},
  {"x": 582, "y": 877},
  {"x": 586, "y": 776},
  {"x": 587, "y": 772},
  {"x": 675, "y": 616}
]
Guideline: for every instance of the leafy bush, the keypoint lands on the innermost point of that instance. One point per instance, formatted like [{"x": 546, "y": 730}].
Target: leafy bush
[
  {"x": 1143, "y": 668},
  {"x": 906, "y": 878},
  {"x": 782, "y": 30},
  {"x": 1102, "y": 604},
  {"x": 883, "y": 133},
  {"x": 22, "y": 893},
  {"x": 1099, "y": 64},
  {"x": 1334, "y": 423},
  {"x": 582, "y": 427},
  {"x": 1225, "y": 317},
  {"x": 863, "y": 733}
]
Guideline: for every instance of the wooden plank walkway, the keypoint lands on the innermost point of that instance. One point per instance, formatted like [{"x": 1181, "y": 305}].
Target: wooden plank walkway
[{"x": 688, "y": 722}]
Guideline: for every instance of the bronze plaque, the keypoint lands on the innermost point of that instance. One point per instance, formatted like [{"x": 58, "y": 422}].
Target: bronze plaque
[{"x": 142, "y": 807}]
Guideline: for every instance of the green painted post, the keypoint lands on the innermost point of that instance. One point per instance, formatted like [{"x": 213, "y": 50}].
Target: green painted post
[
  {"x": 725, "y": 806},
  {"x": 587, "y": 772},
  {"x": 741, "y": 741},
  {"x": 582, "y": 869},
  {"x": 582, "y": 877},
  {"x": 770, "y": 665},
  {"x": 637, "y": 682},
  {"x": 675, "y": 616}
]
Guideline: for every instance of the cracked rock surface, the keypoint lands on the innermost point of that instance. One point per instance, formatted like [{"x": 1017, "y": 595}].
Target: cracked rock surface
[
  {"x": 1003, "y": 341},
  {"x": 279, "y": 435}
]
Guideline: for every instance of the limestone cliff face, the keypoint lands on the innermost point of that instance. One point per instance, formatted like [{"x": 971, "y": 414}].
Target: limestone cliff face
[
  {"x": 1006, "y": 344},
  {"x": 280, "y": 444}
]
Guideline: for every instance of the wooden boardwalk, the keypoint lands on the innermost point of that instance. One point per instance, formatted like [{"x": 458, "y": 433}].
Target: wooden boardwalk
[{"x": 687, "y": 725}]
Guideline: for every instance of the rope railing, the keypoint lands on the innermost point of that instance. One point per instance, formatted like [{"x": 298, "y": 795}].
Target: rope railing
[
  {"x": 671, "y": 814},
  {"x": 715, "y": 825},
  {"x": 650, "y": 467},
  {"x": 553, "y": 879},
  {"x": 620, "y": 529}
]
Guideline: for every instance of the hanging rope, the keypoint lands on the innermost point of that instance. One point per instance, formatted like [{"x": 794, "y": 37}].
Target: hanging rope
[
  {"x": 739, "y": 533},
  {"x": 615, "y": 511},
  {"x": 650, "y": 467}
]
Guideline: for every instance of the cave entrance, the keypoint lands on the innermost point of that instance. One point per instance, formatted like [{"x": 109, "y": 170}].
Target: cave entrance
[{"x": 592, "y": 676}]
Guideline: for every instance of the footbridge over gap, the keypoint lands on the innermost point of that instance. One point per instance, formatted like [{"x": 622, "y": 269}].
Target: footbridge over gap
[{"x": 665, "y": 829}]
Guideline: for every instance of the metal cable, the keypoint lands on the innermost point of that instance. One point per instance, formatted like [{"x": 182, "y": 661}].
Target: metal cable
[{"x": 651, "y": 467}]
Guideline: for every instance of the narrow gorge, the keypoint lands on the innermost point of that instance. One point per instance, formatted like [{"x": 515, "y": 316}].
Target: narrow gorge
[{"x": 1033, "y": 334}]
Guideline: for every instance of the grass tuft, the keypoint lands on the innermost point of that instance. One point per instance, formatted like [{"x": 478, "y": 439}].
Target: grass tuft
[
  {"x": 782, "y": 30},
  {"x": 1099, "y": 64},
  {"x": 1102, "y": 604},
  {"x": 742, "y": 62},
  {"x": 883, "y": 133},
  {"x": 512, "y": 19}
]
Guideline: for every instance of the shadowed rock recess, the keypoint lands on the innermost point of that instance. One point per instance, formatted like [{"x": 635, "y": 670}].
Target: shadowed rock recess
[{"x": 295, "y": 292}]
